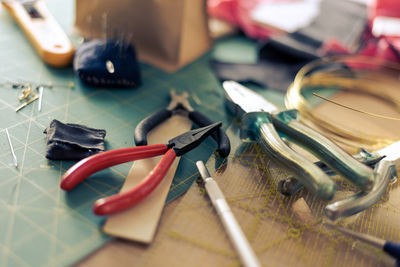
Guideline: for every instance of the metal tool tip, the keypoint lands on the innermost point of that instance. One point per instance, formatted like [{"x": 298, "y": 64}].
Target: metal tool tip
[
  {"x": 227, "y": 83},
  {"x": 202, "y": 169},
  {"x": 213, "y": 126},
  {"x": 217, "y": 124},
  {"x": 206, "y": 130}
]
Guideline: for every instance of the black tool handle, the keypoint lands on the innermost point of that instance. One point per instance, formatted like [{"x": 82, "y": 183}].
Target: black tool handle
[
  {"x": 224, "y": 145},
  {"x": 393, "y": 249},
  {"x": 148, "y": 123}
]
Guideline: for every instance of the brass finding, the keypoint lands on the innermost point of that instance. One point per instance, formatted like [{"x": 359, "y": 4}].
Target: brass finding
[{"x": 27, "y": 93}]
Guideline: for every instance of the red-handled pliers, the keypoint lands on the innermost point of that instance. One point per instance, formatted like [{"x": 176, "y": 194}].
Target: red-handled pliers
[{"x": 177, "y": 146}]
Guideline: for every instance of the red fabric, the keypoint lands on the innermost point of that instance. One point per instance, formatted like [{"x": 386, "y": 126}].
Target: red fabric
[
  {"x": 237, "y": 12},
  {"x": 385, "y": 8},
  {"x": 384, "y": 47}
]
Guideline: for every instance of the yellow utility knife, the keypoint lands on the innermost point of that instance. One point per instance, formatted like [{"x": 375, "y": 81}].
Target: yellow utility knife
[{"x": 42, "y": 30}]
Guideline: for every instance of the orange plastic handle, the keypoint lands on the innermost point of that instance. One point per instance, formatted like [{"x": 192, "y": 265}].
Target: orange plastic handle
[{"x": 44, "y": 33}]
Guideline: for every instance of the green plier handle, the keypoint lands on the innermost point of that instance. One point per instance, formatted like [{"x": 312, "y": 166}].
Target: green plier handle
[{"x": 263, "y": 127}]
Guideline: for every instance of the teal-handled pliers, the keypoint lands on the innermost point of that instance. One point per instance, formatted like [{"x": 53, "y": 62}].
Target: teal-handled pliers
[{"x": 259, "y": 120}]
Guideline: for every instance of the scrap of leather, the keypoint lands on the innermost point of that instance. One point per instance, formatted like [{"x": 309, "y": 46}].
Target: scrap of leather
[{"x": 71, "y": 141}]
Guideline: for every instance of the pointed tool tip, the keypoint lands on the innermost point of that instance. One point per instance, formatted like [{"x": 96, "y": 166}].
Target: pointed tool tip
[
  {"x": 209, "y": 128},
  {"x": 212, "y": 127},
  {"x": 215, "y": 125},
  {"x": 241, "y": 99},
  {"x": 202, "y": 169},
  {"x": 229, "y": 82},
  {"x": 189, "y": 140}
]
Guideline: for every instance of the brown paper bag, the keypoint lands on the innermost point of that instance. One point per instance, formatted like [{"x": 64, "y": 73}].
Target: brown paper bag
[{"x": 166, "y": 34}]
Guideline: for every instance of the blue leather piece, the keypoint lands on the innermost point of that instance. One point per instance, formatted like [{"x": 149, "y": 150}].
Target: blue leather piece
[{"x": 90, "y": 63}]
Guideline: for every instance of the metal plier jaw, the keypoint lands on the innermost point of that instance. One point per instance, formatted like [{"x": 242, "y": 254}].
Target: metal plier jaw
[
  {"x": 188, "y": 141},
  {"x": 180, "y": 105}
]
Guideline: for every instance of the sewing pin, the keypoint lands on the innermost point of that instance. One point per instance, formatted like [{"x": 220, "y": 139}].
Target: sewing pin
[
  {"x": 89, "y": 26},
  {"x": 51, "y": 85},
  {"x": 128, "y": 42},
  {"x": 40, "y": 88},
  {"x": 104, "y": 29},
  {"x": 26, "y": 103},
  {"x": 12, "y": 149},
  {"x": 121, "y": 44},
  {"x": 390, "y": 247}
]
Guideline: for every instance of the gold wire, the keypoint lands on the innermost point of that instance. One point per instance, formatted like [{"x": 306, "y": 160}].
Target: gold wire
[
  {"x": 356, "y": 110},
  {"x": 376, "y": 84}
]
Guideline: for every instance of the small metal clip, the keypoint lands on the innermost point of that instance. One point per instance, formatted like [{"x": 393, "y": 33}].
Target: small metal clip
[{"x": 27, "y": 93}]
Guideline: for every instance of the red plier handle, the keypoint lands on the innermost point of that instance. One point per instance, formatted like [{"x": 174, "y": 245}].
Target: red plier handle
[
  {"x": 176, "y": 146},
  {"x": 121, "y": 201}
]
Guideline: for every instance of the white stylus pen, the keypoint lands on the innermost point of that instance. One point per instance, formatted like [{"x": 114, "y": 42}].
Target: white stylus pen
[{"x": 235, "y": 233}]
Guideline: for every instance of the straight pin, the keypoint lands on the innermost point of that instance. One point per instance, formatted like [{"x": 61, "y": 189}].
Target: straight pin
[
  {"x": 12, "y": 149},
  {"x": 89, "y": 26},
  {"x": 129, "y": 38},
  {"x": 40, "y": 88},
  {"x": 128, "y": 41},
  {"x": 25, "y": 84},
  {"x": 104, "y": 29},
  {"x": 26, "y": 103},
  {"x": 51, "y": 85},
  {"x": 121, "y": 43},
  {"x": 390, "y": 247},
  {"x": 115, "y": 36}
]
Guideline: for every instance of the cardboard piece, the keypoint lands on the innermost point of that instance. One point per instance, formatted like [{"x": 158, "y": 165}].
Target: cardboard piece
[
  {"x": 166, "y": 34},
  {"x": 139, "y": 223}
]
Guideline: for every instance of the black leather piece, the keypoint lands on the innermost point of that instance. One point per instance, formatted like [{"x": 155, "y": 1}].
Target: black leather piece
[
  {"x": 72, "y": 141},
  {"x": 274, "y": 75}
]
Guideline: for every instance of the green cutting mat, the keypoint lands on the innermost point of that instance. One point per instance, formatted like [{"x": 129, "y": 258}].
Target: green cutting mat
[{"x": 39, "y": 223}]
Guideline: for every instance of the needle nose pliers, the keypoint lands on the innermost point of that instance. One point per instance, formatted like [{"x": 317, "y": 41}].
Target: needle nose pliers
[
  {"x": 176, "y": 146},
  {"x": 180, "y": 104}
]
